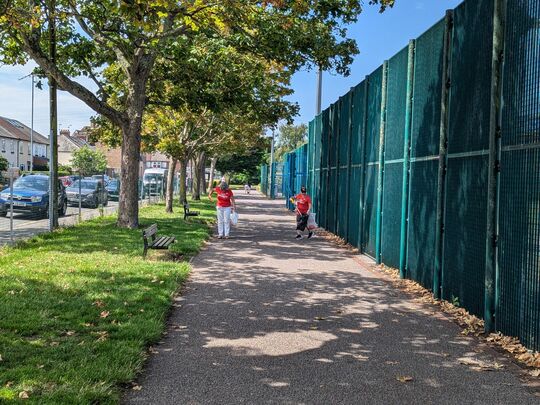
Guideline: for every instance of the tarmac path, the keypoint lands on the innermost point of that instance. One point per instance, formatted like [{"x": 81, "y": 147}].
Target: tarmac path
[{"x": 267, "y": 319}]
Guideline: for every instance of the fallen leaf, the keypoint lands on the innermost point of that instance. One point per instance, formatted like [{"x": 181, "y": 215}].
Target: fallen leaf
[
  {"x": 9, "y": 384},
  {"x": 1, "y": 359},
  {"x": 24, "y": 395},
  {"x": 391, "y": 363},
  {"x": 41, "y": 366},
  {"x": 535, "y": 373},
  {"x": 104, "y": 314},
  {"x": 404, "y": 378},
  {"x": 70, "y": 333},
  {"x": 314, "y": 327},
  {"x": 99, "y": 303},
  {"x": 137, "y": 388}
]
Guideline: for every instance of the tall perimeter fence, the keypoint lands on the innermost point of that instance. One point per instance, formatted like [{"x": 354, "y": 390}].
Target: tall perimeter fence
[{"x": 432, "y": 164}]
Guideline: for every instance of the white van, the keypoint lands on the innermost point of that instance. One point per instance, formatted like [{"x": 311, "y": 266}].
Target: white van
[{"x": 154, "y": 181}]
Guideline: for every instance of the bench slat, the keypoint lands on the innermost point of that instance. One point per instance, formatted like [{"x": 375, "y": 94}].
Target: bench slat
[{"x": 151, "y": 230}]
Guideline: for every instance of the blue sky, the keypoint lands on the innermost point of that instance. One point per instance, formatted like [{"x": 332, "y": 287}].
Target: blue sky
[{"x": 379, "y": 37}]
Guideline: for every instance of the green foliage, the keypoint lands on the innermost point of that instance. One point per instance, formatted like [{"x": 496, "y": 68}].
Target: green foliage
[
  {"x": 243, "y": 166},
  {"x": 289, "y": 138},
  {"x": 80, "y": 306},
  {"x": 4, "y": 164},
  {"x": 88, "y": 161}
]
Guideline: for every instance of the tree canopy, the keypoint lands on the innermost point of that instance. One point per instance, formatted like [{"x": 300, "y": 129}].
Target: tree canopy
[{"x": 88, "y": 161}]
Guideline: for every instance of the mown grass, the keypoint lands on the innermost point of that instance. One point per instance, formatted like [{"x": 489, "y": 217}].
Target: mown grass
[{"x": 79, "y": 307}]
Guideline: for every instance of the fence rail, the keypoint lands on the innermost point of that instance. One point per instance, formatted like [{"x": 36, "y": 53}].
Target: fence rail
[{"x": 432, "y": 163}]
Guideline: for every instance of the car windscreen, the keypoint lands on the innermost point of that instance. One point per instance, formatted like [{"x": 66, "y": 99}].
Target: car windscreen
[
  {"x": 112, "y": 185},
  {"x": 32, "y": 182},
  {"x": 84, "y": 184},
  {"x": 153, "y": 176}
]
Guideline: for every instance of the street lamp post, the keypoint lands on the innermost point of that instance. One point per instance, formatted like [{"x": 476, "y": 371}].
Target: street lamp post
[
  {"x": 272, "y": 188},
  {"x": 32, "y": 129},
  {"x": 319, "y": 90}
]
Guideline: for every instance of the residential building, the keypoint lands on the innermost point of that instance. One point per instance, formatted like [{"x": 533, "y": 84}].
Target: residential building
[
  {"x": 15, "y": 145},
  {"x": 67, "y": 144}
]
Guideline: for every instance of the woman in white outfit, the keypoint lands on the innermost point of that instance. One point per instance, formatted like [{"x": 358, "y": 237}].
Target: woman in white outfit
[{"x": 225, "y": 205}]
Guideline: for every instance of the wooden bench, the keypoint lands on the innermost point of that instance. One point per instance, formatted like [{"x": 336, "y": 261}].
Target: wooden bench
[
  {"x": 153, "y": 241},
  {"x": 188, "y": 213}
]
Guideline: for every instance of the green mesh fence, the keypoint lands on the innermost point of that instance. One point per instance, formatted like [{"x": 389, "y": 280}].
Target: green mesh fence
[
  {"x": 424, "y": 162},
  {"x": 373, "y": 117},
  {"x": 343, "y": 168},
  {"x": 357, "y": 153},
  {"x": 518, "y": 313},
  {"x": 393, "y": 158},
  {"x": 325, "y": 143},
  {"x": 264, "y": 179},
  {"x": 333, "y": 150},
  {"x": 343, "y": 161},
  {"x": 468, "y": 141}
]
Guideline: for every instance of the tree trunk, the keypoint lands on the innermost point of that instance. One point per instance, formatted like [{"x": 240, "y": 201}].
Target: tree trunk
[
  {"x": 182, "y": 179},
  {"x": 169, "y": 197},
  {"x": 196, "y": 194},
  {"x": 202, "y": 171},
  {"x": 128, "y": 201},
  {"x": 213, "y": 163}
]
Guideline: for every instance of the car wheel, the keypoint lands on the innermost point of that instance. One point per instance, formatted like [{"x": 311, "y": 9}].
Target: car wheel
[
  {"x": 45, "y": 213},
  {"x": 96, "y": 203}
]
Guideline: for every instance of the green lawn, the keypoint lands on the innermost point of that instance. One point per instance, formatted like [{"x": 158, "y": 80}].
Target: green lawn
[{"x": 79, "y": 307}]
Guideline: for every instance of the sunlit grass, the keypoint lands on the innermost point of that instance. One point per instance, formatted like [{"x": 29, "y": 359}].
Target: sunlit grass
[{"x": 78, "y": 307}]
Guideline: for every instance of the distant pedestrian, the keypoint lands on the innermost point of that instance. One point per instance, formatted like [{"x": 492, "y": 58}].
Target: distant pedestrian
[
  {"x": 303, "y": 209},
  {"x": 247, "y": 188},
  {"x": 225, "y": 205}
]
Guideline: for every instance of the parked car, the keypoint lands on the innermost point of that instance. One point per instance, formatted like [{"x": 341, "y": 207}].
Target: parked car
[
  {"x": 31, "y": 195},
  {"x": 90, "y": 192},
  {"x": 113, "y": 187}
]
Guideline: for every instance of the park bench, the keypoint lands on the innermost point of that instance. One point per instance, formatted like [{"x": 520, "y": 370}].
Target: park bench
[
  {"x": 153, "y": 241},
  {"x": 188, "y": 213}
]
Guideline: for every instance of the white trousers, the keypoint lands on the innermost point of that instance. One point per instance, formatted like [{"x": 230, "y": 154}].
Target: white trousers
[{"x": 224, "y": 220}]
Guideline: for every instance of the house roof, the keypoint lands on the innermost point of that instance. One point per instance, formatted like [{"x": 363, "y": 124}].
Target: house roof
[
  {"x": 10, "y": 128},
  {"x": 77, "y": 142}
]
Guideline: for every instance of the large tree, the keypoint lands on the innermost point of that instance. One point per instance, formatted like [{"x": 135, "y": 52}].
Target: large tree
[
  {"x": 123, "y": 39},
  {"x": 289, "y": 138}
]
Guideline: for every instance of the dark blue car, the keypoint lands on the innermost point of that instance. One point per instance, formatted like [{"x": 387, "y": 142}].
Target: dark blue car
[{"x": 31, "y": 196}]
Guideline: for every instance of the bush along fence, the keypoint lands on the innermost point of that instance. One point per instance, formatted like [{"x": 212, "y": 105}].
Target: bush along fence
[{"x": 432, "y": 164}]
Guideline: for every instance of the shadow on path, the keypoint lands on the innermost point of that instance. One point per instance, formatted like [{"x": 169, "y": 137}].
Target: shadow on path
[{"x": 268, "y": 319}]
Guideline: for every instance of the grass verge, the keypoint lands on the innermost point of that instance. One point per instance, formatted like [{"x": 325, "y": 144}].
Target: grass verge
[{"x": 79, "y": 306}]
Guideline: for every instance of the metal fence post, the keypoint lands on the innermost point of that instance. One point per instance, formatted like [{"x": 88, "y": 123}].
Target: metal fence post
[
  {"x": 363, "y": 166},
  {"x": 80, "y": 197},
  {"x": 443, "y": 149},
  {"x": 406, "y": 161},
  {"x": 380, "y": 177},
  {"x": 491, "y": 284}
]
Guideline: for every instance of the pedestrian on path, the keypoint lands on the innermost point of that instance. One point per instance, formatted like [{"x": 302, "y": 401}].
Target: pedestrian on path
[
  {"x": 225, "y": 204},
  {"x": 303, "y": 209}
]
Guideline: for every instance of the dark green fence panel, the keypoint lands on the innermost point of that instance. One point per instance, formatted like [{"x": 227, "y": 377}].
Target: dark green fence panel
[
  {"x": 343, "y": 168},
  {"x": 425, "y": 133},
  {"x": 333, "y": 168},
  {"x": 264, "y": 179},
  {"x": 288, "y": 179},
  {"x": 356, "y": 186},
  {"x": 325, "y": 144},
  {"x": 372, "y": 161},
  {"x": 468, "y": 140},
  {"x": 301, "y": 168},
  {"x": 393, "y": 158},
  {"x": 518, "y": 312}
]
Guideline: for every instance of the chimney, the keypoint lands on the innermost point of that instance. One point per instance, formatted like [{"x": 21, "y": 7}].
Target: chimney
[{"x": 65, "y": 132}]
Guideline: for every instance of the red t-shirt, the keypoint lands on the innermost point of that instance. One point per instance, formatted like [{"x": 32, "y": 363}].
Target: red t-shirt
[
  {"x": 302, "y": 203},
  {"x": 224, "y": 197}
]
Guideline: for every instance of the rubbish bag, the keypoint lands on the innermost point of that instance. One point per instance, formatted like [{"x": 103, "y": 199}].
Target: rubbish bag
[
  {"x": 234, "y": 218},
  {"x": 311, "y": 223}
]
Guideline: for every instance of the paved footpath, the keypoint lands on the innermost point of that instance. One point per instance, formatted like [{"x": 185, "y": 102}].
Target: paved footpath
[{"x": 268, "y": 319}]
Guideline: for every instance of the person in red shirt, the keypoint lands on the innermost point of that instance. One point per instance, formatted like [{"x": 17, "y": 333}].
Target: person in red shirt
[
  {"x": 225, "y": 205},
  {"x": 303, "y": 208}
]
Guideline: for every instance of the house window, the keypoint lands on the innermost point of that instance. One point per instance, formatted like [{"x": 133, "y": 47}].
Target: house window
[
  {"x": 29, "y": 151},
  {"x": 12, "y": 147},
  {"x": 3, "y": 145},
  {"x": 21, "y": 148}
]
